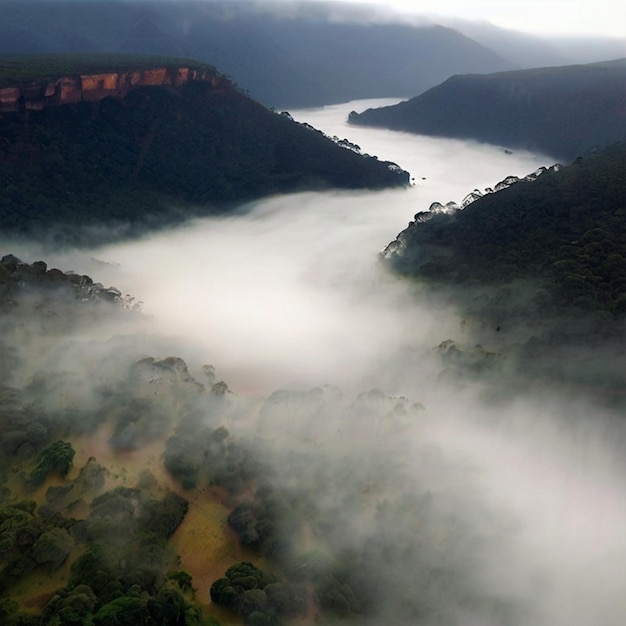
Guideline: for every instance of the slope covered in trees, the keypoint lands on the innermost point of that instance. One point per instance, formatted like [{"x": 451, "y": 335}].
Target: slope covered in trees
[
  {"x": 63, "y": 559},
  {"x": 562, "y": 111},
  {"x": 567, "y": 227},
  {"x": 161, "y": 152},
  {"x": 539, "y": 267}
]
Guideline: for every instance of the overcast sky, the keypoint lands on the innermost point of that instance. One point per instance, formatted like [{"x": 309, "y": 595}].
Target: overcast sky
[{"x": 538, "y": 16}]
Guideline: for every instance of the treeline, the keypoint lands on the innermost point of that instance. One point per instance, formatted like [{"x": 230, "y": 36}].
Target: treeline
[{"x": 567, "y": 229}]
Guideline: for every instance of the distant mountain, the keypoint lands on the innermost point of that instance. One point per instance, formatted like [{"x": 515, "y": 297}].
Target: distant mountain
[
  {"x": 127, "y": 141},
  {"x": 295, "y": 55},
  {"x": 562, "y": 111},
  {"x": 526, "y": 50}
]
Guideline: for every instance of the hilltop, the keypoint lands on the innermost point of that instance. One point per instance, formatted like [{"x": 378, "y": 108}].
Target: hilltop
[
  {"x": 147, "y": 141},
  {"x": 566, "y": 223},
  {"x": 562, "y": 111}
]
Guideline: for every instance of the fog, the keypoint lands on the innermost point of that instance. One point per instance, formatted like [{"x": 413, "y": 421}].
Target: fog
[
  {"x": 480, "y": 512},
  {"x": 290, "y": 290}
]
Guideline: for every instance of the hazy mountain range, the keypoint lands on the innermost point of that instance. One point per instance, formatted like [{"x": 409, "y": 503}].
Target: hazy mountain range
[{"x": 297, "y": 55}]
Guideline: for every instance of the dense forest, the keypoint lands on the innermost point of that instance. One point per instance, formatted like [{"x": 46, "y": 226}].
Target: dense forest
[
  {"x": 63, "y": 559},
  {"x": 157, "y": 155},
  {"x": 539, "y": 265},
  {"x": 565, "y": 111}
]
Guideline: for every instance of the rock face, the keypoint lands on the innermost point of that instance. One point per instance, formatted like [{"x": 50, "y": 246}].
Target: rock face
[{"x": 94, "y": 87}]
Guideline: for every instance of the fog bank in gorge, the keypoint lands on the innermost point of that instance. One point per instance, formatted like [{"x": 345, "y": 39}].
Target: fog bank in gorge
[
  {"x": 289, "y": 291},
  {"x": 490, "y": 513}
]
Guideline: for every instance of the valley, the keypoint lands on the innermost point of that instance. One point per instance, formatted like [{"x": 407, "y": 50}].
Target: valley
[{"x": 263, "y": 367}]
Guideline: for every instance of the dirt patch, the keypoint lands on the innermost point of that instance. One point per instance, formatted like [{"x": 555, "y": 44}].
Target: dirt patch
[{"x": 33, "y": 591}]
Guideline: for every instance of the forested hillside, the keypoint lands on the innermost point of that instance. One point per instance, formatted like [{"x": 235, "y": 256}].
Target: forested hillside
[
  {"x": 160, "y": 153},
  {"x": 567, "y": 226},
  {"x": 561, "y": 111},
  {"x": 539, "y": 267}
]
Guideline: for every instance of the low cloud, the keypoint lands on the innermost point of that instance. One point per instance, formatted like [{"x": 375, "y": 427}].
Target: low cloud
[{"x": 451, "y": 502}]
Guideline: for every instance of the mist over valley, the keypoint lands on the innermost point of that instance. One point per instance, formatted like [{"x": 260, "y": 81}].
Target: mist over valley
[
  {"x": 269, "y": 367},
  {"x": 402, "y": 479}
]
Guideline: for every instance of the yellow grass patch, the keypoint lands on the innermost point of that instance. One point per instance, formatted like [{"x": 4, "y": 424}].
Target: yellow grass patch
[{"x": 205, "y": 543}]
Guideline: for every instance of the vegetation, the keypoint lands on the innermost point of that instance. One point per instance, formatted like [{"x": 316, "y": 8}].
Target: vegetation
[
  {"x": 540, "y": 264},
  {"x": 159, "y": 155},
  {"x": 55, "y": 458},
  {"x": 110, "y": 543},
  {"x": 257, "y": 595},
  {"x": 565, "y": 112},
  {"x": 566, "y": 228},
  {"x": 90, "y": 542}
]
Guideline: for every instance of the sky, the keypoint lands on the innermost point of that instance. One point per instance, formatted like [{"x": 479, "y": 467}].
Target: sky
[{"x": 599, "y": 17}]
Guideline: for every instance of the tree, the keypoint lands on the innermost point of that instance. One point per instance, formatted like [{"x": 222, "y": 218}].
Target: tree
[
  {"x": 182, "y": 579},
  {"x": 223, "y": 593},
  {"x": 70, "y": 608},
  {"x": 168, "y": 608},
  {"x": 124, "y": 611},
  {"x": 53, "y": 547},
  {"x": 57, "y": 457}
]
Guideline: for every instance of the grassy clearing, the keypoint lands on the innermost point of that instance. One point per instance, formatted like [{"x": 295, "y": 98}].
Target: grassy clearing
[{"x": 203, "y": 542}]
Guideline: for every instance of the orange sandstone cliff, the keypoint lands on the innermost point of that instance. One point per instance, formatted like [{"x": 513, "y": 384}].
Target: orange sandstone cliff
[{"x": 94, "y": 87}]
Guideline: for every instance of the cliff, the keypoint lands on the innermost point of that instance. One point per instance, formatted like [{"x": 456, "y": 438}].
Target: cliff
[{"x": 38, "y": 95}]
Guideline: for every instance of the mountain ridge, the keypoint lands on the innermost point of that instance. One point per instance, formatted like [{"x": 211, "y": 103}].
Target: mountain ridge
[
  {"x": 132, "y": 156},
  {"x": 562, "y": 111},
  {"x": 21, "y": 93},
  {"x": 538, "y": 273},
  {"x": 283, "y": 59}
]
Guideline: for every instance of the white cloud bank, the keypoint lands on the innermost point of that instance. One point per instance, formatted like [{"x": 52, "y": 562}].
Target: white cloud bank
[{"x": 561, "y": 17}]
